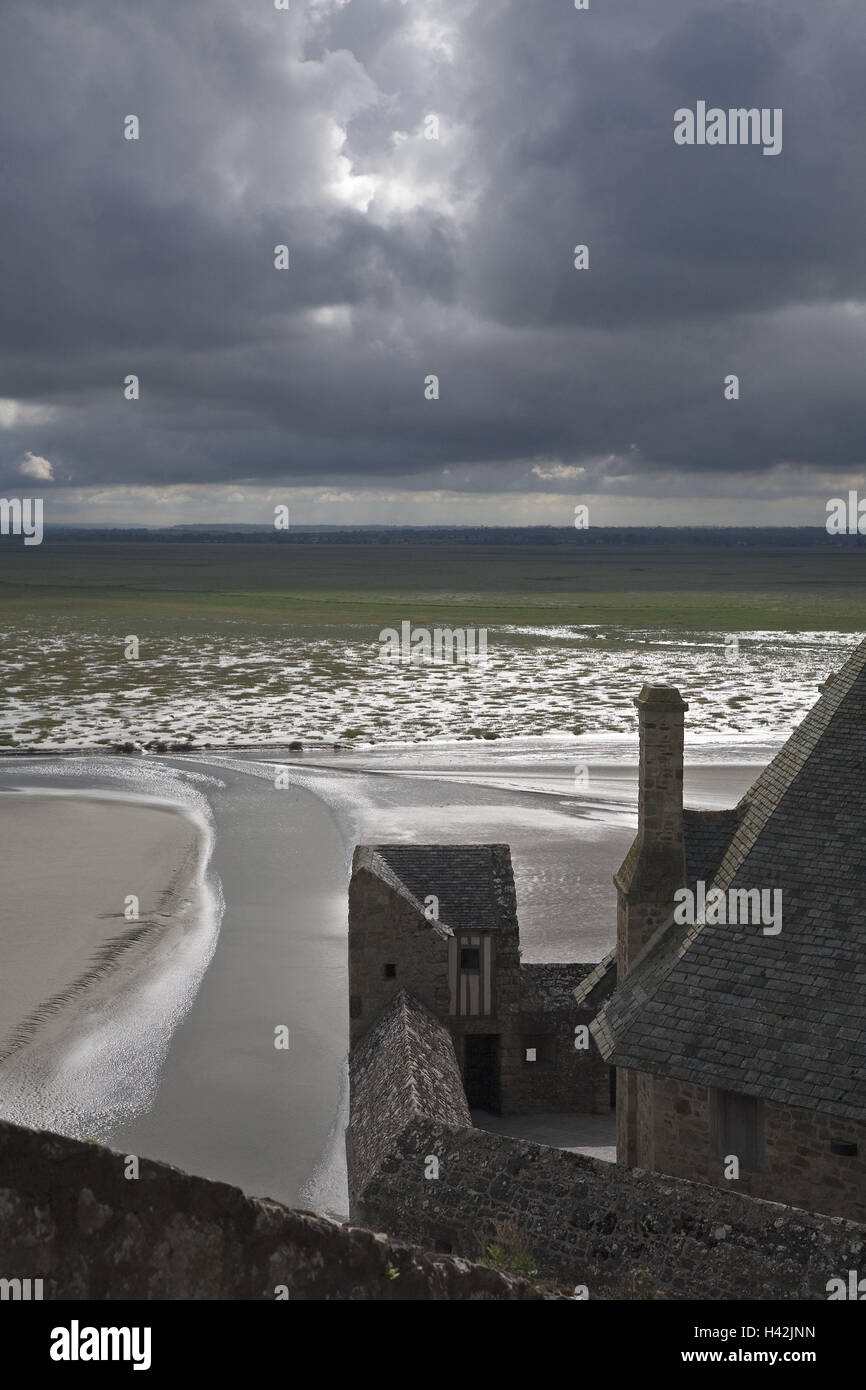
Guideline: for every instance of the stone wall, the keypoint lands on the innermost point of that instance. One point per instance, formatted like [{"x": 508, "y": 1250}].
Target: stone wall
[
  {"x": 68, "y": 1216},
  {"x": 564, "y": 1077},
  {"x": 385, "y": 929},
  {"x": 548, "y": 987},
  {"x": 622, "y": 1232},
  {"x": 798, "y": 1166}
]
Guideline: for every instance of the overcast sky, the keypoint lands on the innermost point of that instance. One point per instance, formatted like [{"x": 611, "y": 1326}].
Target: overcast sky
[{"x": 412, "y": 256}]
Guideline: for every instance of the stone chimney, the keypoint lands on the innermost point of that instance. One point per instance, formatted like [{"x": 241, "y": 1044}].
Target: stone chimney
[
  {"x": 655, "y": 866},
  {"x": 652, "y": 871}
]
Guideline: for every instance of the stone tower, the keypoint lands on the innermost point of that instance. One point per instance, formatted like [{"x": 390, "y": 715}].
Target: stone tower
[{"x": 654, "y": 867}]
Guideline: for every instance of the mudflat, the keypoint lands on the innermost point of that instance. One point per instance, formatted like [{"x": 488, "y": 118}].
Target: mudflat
[{"x": 70, "y": 866}]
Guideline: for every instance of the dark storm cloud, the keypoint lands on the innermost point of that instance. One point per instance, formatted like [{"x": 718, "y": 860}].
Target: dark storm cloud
[{"x": 412, "y": 257}]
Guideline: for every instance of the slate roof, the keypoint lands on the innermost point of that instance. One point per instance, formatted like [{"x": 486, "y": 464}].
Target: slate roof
[
  {"x": 783, "y": 1017},
  {"x": 473, "y": 883},
  {"x": 404, "y": 1067},
  {"x": 706, "y": 836}
]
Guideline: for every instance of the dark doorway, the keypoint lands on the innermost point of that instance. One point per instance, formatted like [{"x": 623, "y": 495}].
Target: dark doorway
[
  {"x": 481, "y": 1071},
  {"x": 612, "y": 1085}
]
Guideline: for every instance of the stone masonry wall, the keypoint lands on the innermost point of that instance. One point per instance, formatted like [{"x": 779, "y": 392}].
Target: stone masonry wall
[
  {"x": 545, "y": 986},
  {"x": 622, "y": 1232},
  {"x": 68, "y": 1216},
  {"x": 564, "y": 1078},
  {"x": 385, "y": 929},
  {"x": 798, "y": 1166}
]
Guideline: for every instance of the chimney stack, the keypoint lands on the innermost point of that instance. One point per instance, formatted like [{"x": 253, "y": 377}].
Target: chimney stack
[
  {"x": 650, "y": 874},
  {"x": 655, "y": 866}
]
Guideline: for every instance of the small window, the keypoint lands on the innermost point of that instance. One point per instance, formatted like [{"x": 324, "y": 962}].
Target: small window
[
  {"x": 390, "y": 972},
  {"x": 536, "y": 1051},
  {"x": 470, "y": 958},
  {"x": 844, "y": 1148},
  {"x": 737, "y": 1127}
]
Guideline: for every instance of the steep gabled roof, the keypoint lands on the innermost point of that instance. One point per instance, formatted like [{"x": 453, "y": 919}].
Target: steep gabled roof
[
  {"x": 404, "y": 1067},
  {"x": 473, "y": 883},
  {"x": 783, "y": 1017},
  {"x": 367, "y": 858},
  {"x": 706, "y": 836}
]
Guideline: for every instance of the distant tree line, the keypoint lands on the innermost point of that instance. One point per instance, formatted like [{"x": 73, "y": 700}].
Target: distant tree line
[{"x": 597, "y": 537}]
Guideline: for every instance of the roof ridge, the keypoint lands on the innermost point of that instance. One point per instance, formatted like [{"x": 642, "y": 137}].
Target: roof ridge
[
  {"x": 455, "y": 886},
  {"x": 806, "y": 737},
  {"x": 594, "y": 977},
  {"x": 368, "y": 857}
]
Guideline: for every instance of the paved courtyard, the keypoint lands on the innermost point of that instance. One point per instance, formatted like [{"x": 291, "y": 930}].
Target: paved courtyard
[{"x": 594, "y": 1135}]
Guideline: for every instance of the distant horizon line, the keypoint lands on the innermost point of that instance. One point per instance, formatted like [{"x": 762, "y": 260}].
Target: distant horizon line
[{"x": 416, "y": 526}]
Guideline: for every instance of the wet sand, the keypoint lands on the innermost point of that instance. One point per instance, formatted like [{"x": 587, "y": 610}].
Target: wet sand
[
  {"x": 178, "y": 1061},
  {"x": 231, "y": 1105},
  {"x": 69, "y": 864},
  {"x": 567, "y": 837}
]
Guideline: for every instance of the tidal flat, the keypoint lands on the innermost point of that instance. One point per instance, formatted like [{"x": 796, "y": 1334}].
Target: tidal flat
[{"x": 166, "y": 645}]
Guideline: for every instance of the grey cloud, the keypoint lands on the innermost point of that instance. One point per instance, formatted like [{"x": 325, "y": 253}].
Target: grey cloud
[{"x": 156, "y": 257}]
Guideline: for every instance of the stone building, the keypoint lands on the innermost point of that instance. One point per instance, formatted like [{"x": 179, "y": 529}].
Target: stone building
[
  {"x": 738, "y": 1036},
  {"x": 419, "y": 1170},
  {"x": 440, "y": 921}
]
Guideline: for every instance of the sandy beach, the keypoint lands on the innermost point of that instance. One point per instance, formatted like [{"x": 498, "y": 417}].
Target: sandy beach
[
  {"x": 90, "y": 999},
  {"x": 170, "y": 1051},
  {"x": 69, "y": 864}
]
